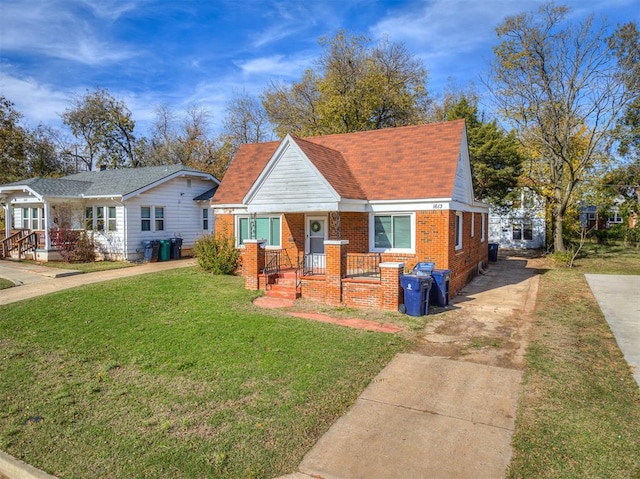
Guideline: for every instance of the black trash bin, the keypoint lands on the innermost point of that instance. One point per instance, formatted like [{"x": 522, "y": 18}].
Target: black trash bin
[
  {"x": 176, "y": 248},
  {"x": 155, "y": 250},
  {"x": 416, "y": 293},
  {"x": 439, "y": 295},
  {"x": 493, "y": 252}
]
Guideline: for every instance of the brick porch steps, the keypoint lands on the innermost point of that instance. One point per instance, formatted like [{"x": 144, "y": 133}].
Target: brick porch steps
[{"x": 283, "y": 285}]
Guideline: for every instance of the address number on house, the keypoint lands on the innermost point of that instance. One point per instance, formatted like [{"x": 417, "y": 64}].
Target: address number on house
[{"x": 438, "y": 206}]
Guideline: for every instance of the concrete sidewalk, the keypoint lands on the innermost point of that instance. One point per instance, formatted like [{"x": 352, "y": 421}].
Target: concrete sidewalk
[
  {"x": 433, "y": 417},
  {"x": 619, "y": 299},
  {"x": 37, "y": 280}
]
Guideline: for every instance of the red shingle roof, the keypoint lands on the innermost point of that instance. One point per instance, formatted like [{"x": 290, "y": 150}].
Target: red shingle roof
[{"x": 411, "y": 162}]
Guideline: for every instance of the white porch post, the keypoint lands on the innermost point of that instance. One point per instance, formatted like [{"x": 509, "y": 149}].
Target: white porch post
[
  {"x": 46, "y": 213},
  {"x": 7, "y": 219}
]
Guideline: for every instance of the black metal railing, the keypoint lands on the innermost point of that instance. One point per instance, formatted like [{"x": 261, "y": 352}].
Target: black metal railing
[
  {"x": 363, "y": 265},
  {"x": 272, "y": 262}
]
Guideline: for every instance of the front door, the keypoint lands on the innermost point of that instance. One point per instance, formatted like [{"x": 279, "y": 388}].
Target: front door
[{"x": 314, "y": 248}]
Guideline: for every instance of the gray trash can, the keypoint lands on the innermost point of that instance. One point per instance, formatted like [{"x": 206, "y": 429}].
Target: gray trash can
[{"x": 147, "y": 247}]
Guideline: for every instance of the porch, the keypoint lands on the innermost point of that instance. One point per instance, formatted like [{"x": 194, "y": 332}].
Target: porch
[
  {"x": 21, "y": 243},
  {"x": 336, "y": 277}
]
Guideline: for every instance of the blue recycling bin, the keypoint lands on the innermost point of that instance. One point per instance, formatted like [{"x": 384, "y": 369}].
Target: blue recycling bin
[
  {"x": 148, "y": 250},
  {"x": 493, "y": 252},
  {"x": 424, "y": 268},
  {"x": 416, "y": 293},
  {"x": 439, "y": 295}
]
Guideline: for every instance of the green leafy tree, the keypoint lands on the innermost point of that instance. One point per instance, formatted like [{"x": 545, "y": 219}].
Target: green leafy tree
[
  {"x": 564, "y": 89},
  {"x": 104, "y": 128},
  {"x": 495, "y": 155},
  {"x": 354, "y": 87},
  {"x": 14, "y": 140}
]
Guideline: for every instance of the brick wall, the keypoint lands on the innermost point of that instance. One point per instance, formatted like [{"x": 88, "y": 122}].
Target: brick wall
[{"x": 435, "y": 241}]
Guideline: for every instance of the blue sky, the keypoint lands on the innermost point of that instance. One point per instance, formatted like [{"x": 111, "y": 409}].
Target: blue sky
[{"x": 199, "y": 52}]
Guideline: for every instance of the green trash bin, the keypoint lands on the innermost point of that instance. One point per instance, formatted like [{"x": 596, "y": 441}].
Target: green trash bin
[{"x": 165, "y": 250}]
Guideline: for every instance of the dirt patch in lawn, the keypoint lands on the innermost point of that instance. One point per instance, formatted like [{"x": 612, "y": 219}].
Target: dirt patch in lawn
[{"x": 488, "y": 322}]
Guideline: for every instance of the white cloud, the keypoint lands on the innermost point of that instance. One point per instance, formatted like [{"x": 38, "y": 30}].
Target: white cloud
[
  {"x": 39, "y": 103},
  {"x": 274, "y": 66},
  {"x": 54, "y": 30}
]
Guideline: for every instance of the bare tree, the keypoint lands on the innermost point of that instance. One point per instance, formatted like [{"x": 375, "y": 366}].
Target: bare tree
[{"x": 563, "y": 88}]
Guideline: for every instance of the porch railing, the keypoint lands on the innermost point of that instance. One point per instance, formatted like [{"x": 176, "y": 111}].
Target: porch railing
[
  {"x": 276, "y": 260},
  {"x": 313, "y": 263},
  {"x": 27, "y": 243},
  {"x": 363, "y": 265},
  {"x": 22, "y": 241},
  {"x": 272, "y": 262}
]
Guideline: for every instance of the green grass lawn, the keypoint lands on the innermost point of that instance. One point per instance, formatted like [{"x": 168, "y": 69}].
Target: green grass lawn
[
  {"x": 579, "y": 412},
  {"x": 173, "y": 375},
  {"x": 87, "y": 267},
  {"x": 5, "y": 283}
]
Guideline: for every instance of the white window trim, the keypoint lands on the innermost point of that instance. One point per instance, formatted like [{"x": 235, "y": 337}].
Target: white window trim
[
  {"x": 372, "y": 233},
  {"x": 522, "y": 223},
  {"x": 459, "y": 231},
  {"x": 28, "y": 221},
  {"x": 482, "y": 235},
  {"x": 152, "y": 218},
  {"x": 473, "y": 225},
  {"x": 203, "y": 218},
  {"x": 237, "y": 229},
  {"x": 105, "y": 218}
]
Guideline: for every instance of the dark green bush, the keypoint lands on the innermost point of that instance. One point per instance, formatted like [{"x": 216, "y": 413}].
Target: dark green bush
[{"x": 217, "y": 254}]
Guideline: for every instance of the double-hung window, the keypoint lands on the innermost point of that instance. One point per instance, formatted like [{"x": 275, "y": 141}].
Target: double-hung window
[
  {"x": 459, "y": 225},
  {"x": 33, "y": 218},
  {"x": 205, "y": 219},
  {"x": 111, "y": 218},
  {"x": 100, "y": 218},
  {"x": 145, "y": 218},
  {"x": 159, "y": 216},
  {"x": 392, "y": 232},
  {"x": 522, "y": 231},
  {"x": 155, "y": 213},
  {"x": 265, "y": 228}
]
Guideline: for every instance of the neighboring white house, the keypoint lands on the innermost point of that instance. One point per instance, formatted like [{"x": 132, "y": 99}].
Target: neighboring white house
[
  {"x": 521, "y": 225},
  {"x": 123, "y": 207}
]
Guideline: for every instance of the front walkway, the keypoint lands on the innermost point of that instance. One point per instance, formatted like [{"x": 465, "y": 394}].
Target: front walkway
[
  {"x": 428, "y": 416},
  {"x": 49, "y": 280}
]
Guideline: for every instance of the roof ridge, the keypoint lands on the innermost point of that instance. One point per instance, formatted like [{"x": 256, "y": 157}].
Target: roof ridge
[{"x": 389, "y": 129}]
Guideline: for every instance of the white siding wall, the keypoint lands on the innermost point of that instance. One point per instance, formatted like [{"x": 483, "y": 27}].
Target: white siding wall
[
  {"x": 110, "y": 244},
  {"x": 182, "y": 215},
  {"x": 292, "y": 181},
  {"x": 463, "y": 189}
]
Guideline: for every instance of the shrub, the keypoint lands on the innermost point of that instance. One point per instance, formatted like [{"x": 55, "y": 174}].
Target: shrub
[
  {"x": 217, "y": 254},
  {"x": 74, "y": 246}
]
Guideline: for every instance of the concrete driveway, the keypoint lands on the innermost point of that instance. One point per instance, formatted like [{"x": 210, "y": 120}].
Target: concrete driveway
[
  {"x": 428, "y": 415},
  {"x": 619, "y": 299}
]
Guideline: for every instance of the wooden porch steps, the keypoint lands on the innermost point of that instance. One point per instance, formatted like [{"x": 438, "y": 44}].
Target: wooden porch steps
[{"x": 283, "y": 285}]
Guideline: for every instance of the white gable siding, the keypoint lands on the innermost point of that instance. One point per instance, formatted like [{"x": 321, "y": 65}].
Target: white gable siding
[
  {"x": 182, "y": 215},
  {"x": 292, "y": 181},
  {"x": 463, "y": 187}
]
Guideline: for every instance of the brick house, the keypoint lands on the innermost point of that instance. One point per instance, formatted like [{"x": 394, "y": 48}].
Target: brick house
[{"x": 338, "y": 218}]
